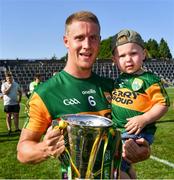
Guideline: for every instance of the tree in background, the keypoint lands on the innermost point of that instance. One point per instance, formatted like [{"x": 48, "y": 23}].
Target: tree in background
[
  {"x": 105, "y": 49},
  {"x": 152, "y": 47},
  {"x": 164, "y": 50},
  {"x": 154, "y": 50},
  {"x": 64, "y": 58},
  {"x": 53, "y": 58}
]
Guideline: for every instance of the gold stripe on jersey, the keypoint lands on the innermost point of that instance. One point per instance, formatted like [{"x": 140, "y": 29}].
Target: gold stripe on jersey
[{"x": 39, "y": 117}]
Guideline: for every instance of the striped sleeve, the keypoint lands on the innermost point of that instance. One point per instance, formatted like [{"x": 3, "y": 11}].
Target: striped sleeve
[{"x": 39, "y": 119}]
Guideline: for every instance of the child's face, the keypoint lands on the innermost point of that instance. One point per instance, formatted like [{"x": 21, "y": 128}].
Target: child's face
[{"x": 129, "y": 57}]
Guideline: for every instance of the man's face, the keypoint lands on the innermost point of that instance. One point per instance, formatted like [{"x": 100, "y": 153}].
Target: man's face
[
  {"x": 82, "y": 41},
  {"x": 9, "y": 79},
  {"x": 38, "y": 79}
]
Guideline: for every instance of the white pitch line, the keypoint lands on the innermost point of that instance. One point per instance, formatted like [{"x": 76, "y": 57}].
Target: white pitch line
[{"x": 162, "y": 161}]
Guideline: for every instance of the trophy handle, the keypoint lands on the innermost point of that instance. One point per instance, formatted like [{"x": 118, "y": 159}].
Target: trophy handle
[
  {"x": 104, "y": 150},
  {"x": 93, "y": 156},
  {"x": 105, "y": 138},
  {"x": 72, "y": 163},
  {"x": 65, "y": 157}
]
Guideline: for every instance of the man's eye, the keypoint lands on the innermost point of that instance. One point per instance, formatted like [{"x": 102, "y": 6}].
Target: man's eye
[
  {"x": 79, "y": 38},
  {"x": 94, "y": 38}
]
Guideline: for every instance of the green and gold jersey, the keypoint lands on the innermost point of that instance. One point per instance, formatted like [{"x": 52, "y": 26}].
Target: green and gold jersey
[
  {"x": 64, "y": 94},
  {"x": 134, "y": 95}
]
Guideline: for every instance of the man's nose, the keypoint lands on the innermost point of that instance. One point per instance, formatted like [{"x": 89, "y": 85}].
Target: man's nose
[{"x": 86, "y": 43}]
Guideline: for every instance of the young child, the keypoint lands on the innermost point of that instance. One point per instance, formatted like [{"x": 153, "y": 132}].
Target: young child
[{"x": 139, "y": 98}]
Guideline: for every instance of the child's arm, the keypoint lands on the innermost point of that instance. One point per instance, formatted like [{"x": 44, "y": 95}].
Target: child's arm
[{"x": 137, "y": 123}]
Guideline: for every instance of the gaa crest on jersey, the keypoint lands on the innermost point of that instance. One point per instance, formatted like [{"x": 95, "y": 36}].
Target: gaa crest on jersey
[{"x": 137, "y": 84}]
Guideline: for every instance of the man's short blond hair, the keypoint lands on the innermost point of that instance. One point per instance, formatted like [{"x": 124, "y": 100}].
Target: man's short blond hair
[{"x": 85, "y": 16}]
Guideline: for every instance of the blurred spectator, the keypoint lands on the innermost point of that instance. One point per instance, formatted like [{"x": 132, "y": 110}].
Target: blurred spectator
[
  {"x": 1, "y": 95},
  {"x": 12, "y": 96},
  {"x": 37, "y": 80},
  {"x": 54, "y": 73}
]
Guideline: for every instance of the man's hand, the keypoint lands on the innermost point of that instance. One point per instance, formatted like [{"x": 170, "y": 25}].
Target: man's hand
[
  {"x": 6, "y": 90},
  {"x": 54, "y": 142},
  {"x": 31, "y": 149},
  {"x": 134, "y": 152}
]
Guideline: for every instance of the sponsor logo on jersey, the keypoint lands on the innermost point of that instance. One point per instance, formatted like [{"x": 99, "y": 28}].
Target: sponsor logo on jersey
[
  {"x": 90, "y": 91},
  {"x": 71, "y": 101},
  {"x": 124, "y": 96},
  {"x": 137, "y": 84}
]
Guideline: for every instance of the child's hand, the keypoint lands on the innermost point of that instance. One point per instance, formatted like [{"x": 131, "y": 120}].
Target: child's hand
[{"x": 135, "y": 124}]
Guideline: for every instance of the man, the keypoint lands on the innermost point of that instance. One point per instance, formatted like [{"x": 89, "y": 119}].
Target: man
[
  {"x": 12, "y": 96},
  {"x": 37, "y": 80},
  {"x": 74, "y": 90}
]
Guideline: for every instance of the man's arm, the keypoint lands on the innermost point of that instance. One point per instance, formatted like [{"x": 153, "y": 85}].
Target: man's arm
[
  {"x": 31, "y": 150},
  {"x": 6, "y": 90},
  {"x": 20, "y": 95},
  {"x": 134, "y": 152}
]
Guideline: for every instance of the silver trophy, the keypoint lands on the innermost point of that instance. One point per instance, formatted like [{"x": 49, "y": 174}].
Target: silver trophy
[{"x": 88, "y": 153}]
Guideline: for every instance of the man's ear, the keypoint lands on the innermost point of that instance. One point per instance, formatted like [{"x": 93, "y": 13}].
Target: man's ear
[{"x": 65, "y": 40}]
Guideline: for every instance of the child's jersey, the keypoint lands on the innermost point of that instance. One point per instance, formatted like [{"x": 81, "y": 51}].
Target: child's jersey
[
  {"x": 134, "y": 95},
  {"x": 64, "y": 94}
]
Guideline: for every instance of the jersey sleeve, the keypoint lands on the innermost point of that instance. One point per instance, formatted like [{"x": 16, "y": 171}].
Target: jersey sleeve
[
  {"x": 158, "y": 94},
  {"x": 39, "y": 118}
]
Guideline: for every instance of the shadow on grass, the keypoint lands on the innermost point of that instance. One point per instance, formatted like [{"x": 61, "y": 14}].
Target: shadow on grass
[
  {"x": 12, "y": 137},
  {"x": 20, "y": 117},
  {"x": 166, "y": 121}
]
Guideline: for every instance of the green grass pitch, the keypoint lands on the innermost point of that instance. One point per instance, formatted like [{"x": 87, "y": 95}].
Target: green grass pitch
[{"x": 162, "y": 148}]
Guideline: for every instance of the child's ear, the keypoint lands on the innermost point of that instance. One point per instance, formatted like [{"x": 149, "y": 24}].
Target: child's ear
[
  {"x": 113, "y": 59},
  {"x": 113, "y": 56}
]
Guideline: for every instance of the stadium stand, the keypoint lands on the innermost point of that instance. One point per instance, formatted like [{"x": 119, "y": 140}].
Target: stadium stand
[{"x": 24, "y": 70}]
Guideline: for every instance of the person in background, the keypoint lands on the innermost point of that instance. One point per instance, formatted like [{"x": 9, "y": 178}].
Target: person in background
[
  {"x": 12, "y": 95},
  {"x": 37, "y": 80},
  {"x": 74, "y": 90},
  {"x": 139, "y": 98},
  {"x": 54, "y": 73},
  {"x": 1, "y": 95}
]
